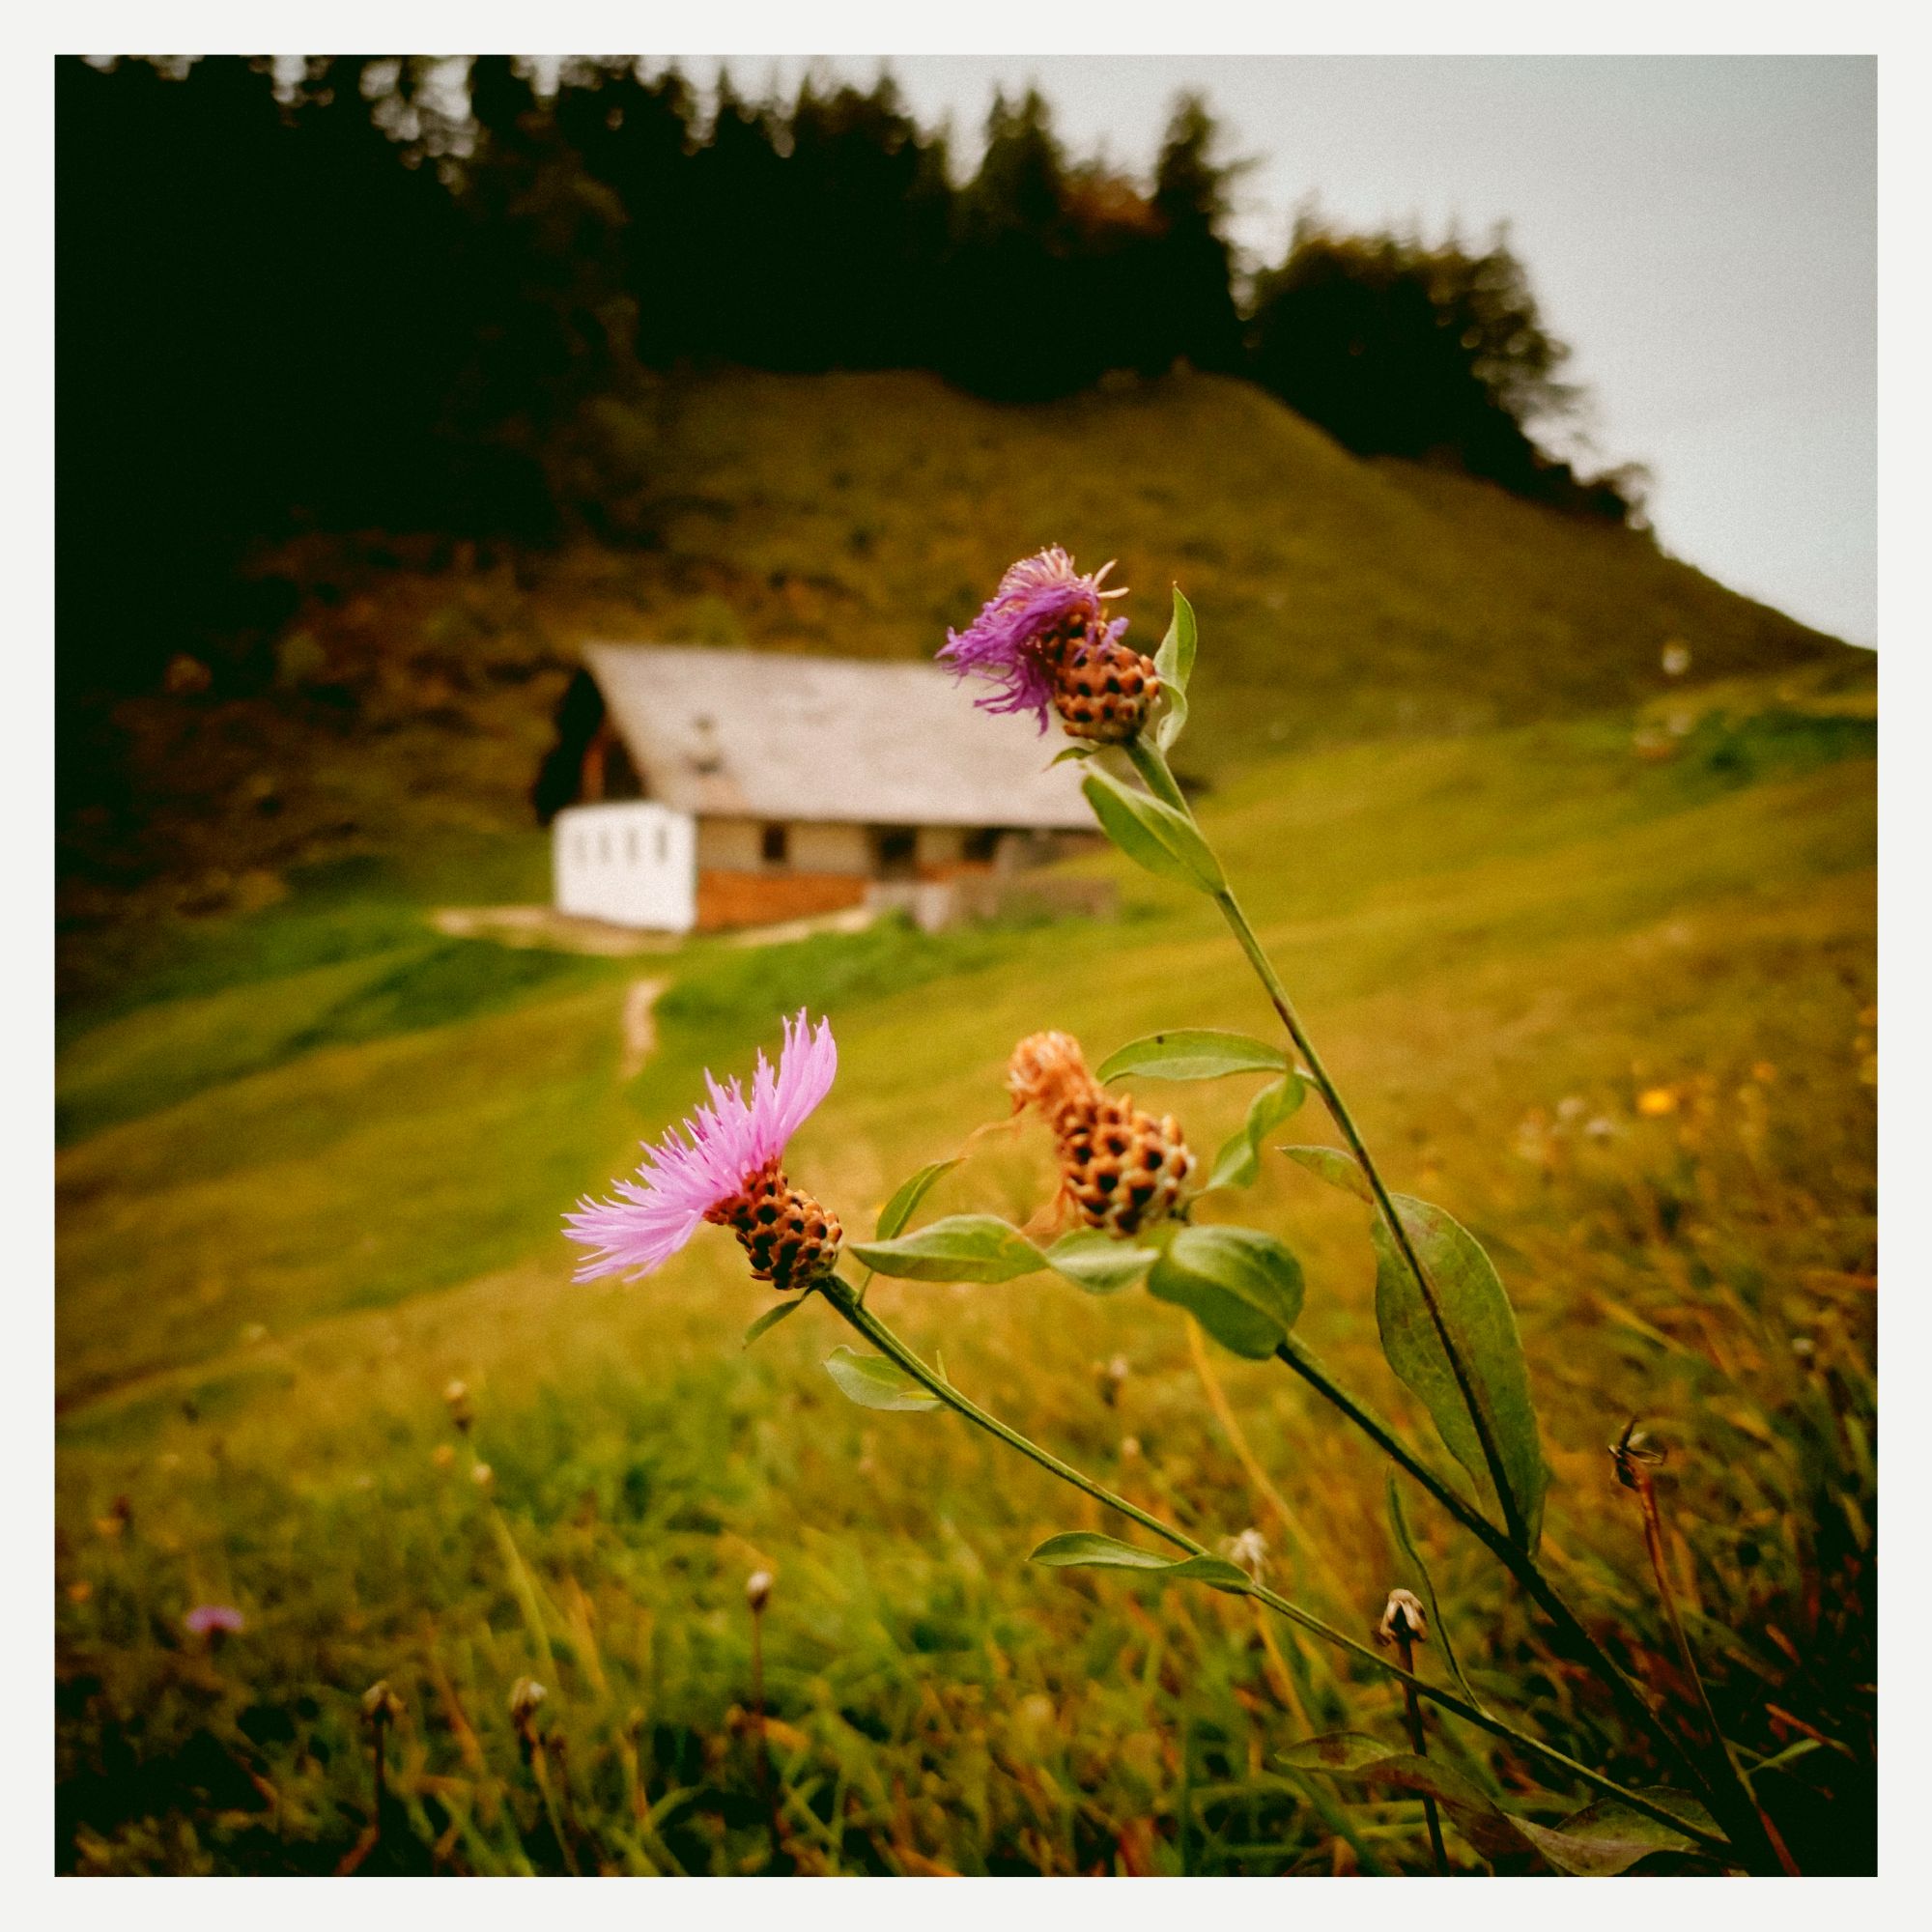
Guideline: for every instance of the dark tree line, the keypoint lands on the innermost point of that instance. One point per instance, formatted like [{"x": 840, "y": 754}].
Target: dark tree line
[{"x": 365, "y": 300}]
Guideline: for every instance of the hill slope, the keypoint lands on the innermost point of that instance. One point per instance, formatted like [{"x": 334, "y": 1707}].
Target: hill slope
[
  {"x": 1612, "y": 1011},
  {"x": 412, "y": 697}
]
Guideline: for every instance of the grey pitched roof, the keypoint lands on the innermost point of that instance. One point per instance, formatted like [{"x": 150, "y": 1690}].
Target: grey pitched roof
[{"x": 757, "y": 734}]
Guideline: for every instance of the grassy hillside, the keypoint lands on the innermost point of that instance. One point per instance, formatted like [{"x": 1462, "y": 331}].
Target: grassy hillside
[
  {"x": 1599, "y": 980},
  {"x": 409, "y": 701}
]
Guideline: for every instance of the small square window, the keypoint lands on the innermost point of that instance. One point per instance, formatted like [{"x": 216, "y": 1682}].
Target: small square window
[{"x": 774, "y": 844}]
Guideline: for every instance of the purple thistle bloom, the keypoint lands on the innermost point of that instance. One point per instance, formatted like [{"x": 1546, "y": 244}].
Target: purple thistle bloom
[
  {"x": 205, "y": 1619},
  {"x": 1040, "y": 599},
  {"x": 725, "y": 1145}
]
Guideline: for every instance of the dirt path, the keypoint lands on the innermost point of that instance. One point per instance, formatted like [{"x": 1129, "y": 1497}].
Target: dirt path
[{"x": 639, "y": 1025}]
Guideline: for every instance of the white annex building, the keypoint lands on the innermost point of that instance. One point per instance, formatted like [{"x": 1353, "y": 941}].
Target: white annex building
[{"x": 726, "y": 788}]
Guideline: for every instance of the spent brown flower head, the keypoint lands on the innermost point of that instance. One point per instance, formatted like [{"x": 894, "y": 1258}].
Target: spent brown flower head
[{"x": 1120, "y": 1169}]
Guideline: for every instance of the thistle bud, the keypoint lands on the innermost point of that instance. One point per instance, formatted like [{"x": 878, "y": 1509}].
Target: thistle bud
[
  {"x": 1403, "y": 1620},
  {"x": 758, "y": 1590}
]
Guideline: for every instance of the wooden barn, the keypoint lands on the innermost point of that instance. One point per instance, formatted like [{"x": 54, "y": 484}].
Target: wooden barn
[{"x": 710, "y": 789}]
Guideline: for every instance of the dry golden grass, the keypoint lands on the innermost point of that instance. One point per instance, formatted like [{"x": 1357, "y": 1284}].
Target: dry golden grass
[{"x": 1614, "y": 1014}]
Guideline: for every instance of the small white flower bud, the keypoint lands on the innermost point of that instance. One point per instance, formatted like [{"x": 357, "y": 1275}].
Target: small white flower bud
[
  {"x": 525, "y": 1694},
  {"x": 379, "y": 1704},
  {"x": 456, "y": 1399},
  {"x": 758, "y": 1590},
  {"x": 1403, "y": 1619}
]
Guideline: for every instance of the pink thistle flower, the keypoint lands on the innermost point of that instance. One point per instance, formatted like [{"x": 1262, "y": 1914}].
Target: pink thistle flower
[
  {"x": 1019, "y": 638},
  {"x": 725, "y": 1167},
  {"x": 206, "y": 1619}
]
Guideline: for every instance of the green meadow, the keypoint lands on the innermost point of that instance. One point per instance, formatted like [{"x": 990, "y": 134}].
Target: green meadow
[{"x": 1600, "y": 983}]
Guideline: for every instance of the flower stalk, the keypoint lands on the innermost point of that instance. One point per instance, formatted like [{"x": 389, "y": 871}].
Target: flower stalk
[
  {"x": 1151, "y": 765},
  {"x": 1403, "y": 1626},
  {"x": 1633, "y": 1460},
  {"x": 845, "y": 1300},
  {"x": 1510, "y": 1543}
]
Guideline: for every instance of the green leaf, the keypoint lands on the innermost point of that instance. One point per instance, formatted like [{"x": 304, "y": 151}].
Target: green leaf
[
  {"x": 1477, "y": 1815},
  {"x": 1175, "y": 660},
  {"x": 1335, "y": 1751},
  {"x": 962, "y": 1247},
  {"x": 1098, "y": 1263},
  {"x": 1070, "y": 752},
  {"x": 898, "y": 1211},
  {"x": 1152, "y": 834},
  {"x": 1419, "y": 1579},
  {"x": 873, "y": 1382},
  {"x": 1083, "y": 1549},
  {"x": 1483, "y": 1326},
  {"x": 1192, "y": 1054},
  {"x": 1607, "y": 1836},
  {"x": 1174, "y": 665},
  {"x": 1244, "y": 1286},
  {"x": 1239, "y": 1164},
  {"x": 1336, "y": 1168},
  {"x": 1350, "y": 1754},
  {"x": 1172, "y": 716},
  {"x": 771, "y": 1318}
]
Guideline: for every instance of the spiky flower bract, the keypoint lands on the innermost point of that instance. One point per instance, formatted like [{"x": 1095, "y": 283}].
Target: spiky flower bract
[
  {"x": 1021, "y": 635},
  {"x": 728, "y": 1153}
]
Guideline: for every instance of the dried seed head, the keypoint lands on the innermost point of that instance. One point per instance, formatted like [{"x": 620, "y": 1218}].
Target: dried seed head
[
  {"x": 1048, "y": 1072},
  {"x": 456, "y": 1399},
  {"x": 1632, "y": 1455},
  {"x": 1249, "y": 1550},
  {"x": 1120, "y": 1168},
  {"x": 1403, "y": 1620},
  {"x": 379, "y": 1704},
  {"x": 758, "y": 1590},
  {"x": 526, "y": 1695},
  {"x": 1123, "y": 1168},
  {"x": 1102, "y": 688},
  {"x": 789, "y": 1239}
]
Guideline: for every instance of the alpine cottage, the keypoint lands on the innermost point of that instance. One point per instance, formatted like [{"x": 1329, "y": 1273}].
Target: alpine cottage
[{"x": 718, "y": 788}]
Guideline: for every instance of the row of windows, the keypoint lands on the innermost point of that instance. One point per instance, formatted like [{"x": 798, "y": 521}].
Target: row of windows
[
  {"x": 897, "y": 845},
  {"x": 581, "y": 844}
]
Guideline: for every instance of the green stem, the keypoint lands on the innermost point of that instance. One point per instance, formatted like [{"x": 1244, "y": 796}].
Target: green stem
[
  {"x": 1154, "y": 769},
  {"x": 845, "y": 1300},
  {"x": 1512, "y": 1546},
  {"x": 1517, "y": 1561}
]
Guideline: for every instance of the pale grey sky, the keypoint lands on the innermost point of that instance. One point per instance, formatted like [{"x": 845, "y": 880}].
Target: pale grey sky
[{"x": 1701, "y": 231}]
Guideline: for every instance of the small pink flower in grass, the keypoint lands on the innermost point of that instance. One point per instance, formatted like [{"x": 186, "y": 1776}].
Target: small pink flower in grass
[
  {"x": 1021, "y": 638},
  {"x": 726, "y": 1167},
  {"x": 214, "y": 1619}
]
